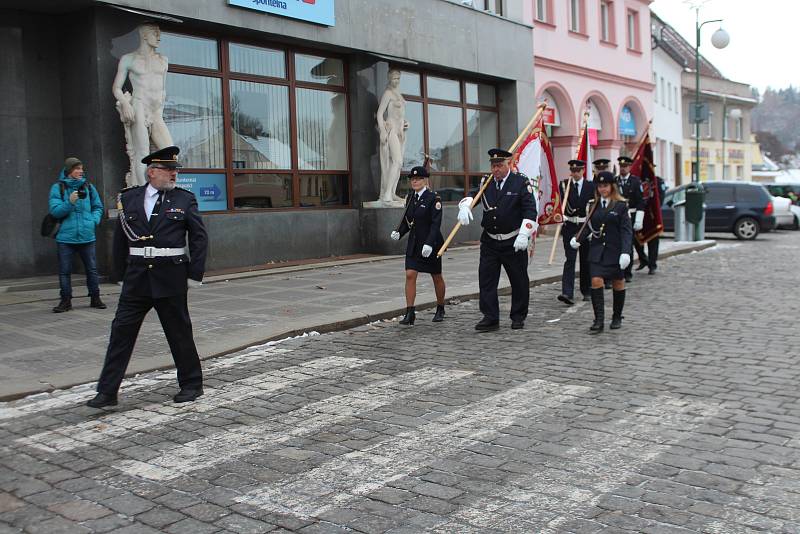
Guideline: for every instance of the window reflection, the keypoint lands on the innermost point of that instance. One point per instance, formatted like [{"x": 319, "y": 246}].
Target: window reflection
[
  {"x": 193, "y": 114},
  {"x": 261, "y": 132},
  {"x": 189, "y": 50},
  {"x": 323, "y": 190},
  {"x": 257, "y": 60},
  {"x": 449, "y": 188},
  {"x": 260, "y": 191},
  {"x": 322, "y": 130},
  {"x": 317, "y": 69},
  {"x": 482, "y": 135},
  {"x": 443, "y": 89},
  {"x": 415, "y": 142},
  {"x": 446, "y": 138}
]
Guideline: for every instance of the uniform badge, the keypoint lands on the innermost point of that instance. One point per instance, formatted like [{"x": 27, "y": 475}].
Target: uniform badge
[
  {"x": 438, "y": 205},
  {"x": 530, "y": 189}
]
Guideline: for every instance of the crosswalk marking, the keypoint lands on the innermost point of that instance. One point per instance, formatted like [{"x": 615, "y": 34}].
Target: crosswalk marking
[
  {"x": 43, "y": 402},
  {"x": 314, "y": 417},
  {"x": 118, "y": 424},
  {"x": 340, "y": 480},
  {"x": 584, "y": 473}
]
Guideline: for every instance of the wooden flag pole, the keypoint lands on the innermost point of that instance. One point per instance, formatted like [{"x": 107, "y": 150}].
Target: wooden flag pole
[
  {"x": 486, "y": 181},
  {"x": 567, "y": 189}
]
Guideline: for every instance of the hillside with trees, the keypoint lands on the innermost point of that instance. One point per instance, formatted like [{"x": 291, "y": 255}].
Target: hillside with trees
[{"x": 776, "y": 123}]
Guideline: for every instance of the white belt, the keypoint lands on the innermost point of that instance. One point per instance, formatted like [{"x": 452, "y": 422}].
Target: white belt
[
  {"x": 575, "y": 220},
  {"x": 503, "y": 237},
  {"x": 154, "y": 252},
  {"x": 632, "y": 211}
]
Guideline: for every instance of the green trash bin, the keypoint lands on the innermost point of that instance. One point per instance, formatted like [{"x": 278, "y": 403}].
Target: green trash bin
[{"x": 694, "y": 205}]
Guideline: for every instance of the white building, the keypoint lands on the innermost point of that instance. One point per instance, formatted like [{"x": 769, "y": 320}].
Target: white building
[{"x": 667, "y": 130}]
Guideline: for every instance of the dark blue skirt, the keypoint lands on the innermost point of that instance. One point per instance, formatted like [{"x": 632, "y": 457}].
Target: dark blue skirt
[
  {"x": 606, "y": 272},
  {"x": 431, "y": 264}
]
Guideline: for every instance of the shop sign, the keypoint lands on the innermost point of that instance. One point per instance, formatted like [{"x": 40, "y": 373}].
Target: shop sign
[
  {"x": 627, "y": 124},
  {"x": 209, "y": 189},
  {"x": 317, "y": 11}
]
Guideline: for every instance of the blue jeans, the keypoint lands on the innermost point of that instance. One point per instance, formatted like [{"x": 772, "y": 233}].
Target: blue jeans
[{"x": 87, "y": 253}]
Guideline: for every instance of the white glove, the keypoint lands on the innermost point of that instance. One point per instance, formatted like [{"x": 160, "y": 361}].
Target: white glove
[
  {"x": 528, "y": 227},
  {"x": 193, "y": 283},
  {"x": 638, "y": 221},
  {"x": 426, "y": 251},
  {"x": 395, "y": 236},
  {"x": 521, "y": 242},
  {"x": 624, "y": 261},
  {"x": 574, "y": 243},
  {"x": 465, "y": 211}
]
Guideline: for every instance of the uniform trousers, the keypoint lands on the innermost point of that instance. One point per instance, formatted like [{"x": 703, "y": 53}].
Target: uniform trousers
[
  {"x": 173, "y": 312},
  {"x": 496, "y": 254},
  {"x": 568, "y": 275}
]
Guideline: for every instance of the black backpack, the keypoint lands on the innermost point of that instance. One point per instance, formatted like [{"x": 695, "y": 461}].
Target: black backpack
[{"x": 50, "y": 224}]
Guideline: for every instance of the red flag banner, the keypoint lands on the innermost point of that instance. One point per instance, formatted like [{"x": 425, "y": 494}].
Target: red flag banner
[
  {"x": 534, "y": 158},
  {"x": 643, "y": 168}
]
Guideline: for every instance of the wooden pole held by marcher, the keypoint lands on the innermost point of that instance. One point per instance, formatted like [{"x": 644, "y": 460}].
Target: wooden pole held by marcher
[
  {"x": 567, "y": 188},
  {"x": 487, "y": 180}
]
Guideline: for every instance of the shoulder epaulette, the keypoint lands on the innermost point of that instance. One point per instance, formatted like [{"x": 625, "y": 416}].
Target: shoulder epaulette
[
  {"x": 183, "y": 189},
  {"x": 129, "y": 188}
]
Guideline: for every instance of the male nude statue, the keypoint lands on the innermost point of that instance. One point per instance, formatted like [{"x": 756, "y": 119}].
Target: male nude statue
[
  {"x": 141, "y": 112},
  {"x": 391, "y": 126}
]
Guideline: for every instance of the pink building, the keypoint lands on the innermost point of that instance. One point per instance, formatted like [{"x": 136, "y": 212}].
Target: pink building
[{"x": 595, "y": 55}]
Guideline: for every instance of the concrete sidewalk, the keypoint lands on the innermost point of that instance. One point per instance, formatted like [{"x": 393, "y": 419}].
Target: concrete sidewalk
[{"x": 41, "y": 351}]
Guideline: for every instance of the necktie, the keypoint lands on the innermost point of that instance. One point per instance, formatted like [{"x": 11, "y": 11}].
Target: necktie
[
  {"x": 416, "y": 198},
  {"x": 578, "y": 188},
  {"x": 604, "y": 203},
  {"x": 499, "y": 184},
  {"x": 157, "y": 206}
]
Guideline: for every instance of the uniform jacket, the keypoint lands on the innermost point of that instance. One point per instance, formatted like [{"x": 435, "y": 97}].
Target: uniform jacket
[
  {"x": 632, "y": 191},
  {"x": 422, "y": 220},
  {"x": 177, "y": 223},
  {"x": 504, "y": 210},
  {"x": 576, "y": 204},
  {"x": 78, "y": 221},
  {"x": 611, "y": 233}
]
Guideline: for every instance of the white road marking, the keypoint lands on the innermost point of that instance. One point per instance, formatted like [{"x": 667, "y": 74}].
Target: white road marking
[
  {"x": 341, "y": 480},
  {"x": 576, "y": 480},
  {"x": 42, "y": 402},
  {"x": 309, "y": 419},
  {"x": 118, "y": 424}
]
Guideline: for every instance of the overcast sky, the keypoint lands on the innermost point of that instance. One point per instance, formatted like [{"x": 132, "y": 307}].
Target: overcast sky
[{"x": 764, "y": 37}]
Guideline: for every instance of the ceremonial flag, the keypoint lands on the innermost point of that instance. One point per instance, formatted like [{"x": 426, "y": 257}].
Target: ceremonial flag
[
  {"x": 534, "y": 158},
  {"x": 643, "y": 168},
  {"x": 585, "y": 154}
]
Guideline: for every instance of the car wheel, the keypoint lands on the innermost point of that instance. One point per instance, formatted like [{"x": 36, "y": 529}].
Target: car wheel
[{"x": 746, "y": 228}]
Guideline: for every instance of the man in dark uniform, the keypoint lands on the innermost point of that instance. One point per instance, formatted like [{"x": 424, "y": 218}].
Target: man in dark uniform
[
  {"x": 651, "y": 259},
  {"x": 580, "y": 193},
  {"x": 600, "y": 165},
  {"x": 155, "y": 223},
  {"x": 509, "y": 221},
  {"x": 630, "y": 187}
]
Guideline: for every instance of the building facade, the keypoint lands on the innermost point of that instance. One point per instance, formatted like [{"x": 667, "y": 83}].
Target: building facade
[
  {"x": 275, "y": 115},
  {"x": 593, "y": 55}
]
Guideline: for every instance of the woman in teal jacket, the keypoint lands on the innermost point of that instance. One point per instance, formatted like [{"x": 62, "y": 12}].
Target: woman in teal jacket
[{"x": 77, "y": 205}]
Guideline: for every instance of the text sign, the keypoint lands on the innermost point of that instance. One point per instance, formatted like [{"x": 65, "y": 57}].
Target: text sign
[
  {"x": 317, "y": 11},
  {"x": 209, "y": 189}
]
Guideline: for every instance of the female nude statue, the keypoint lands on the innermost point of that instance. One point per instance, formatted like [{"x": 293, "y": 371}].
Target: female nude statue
[{"x": 392, "y": 127}]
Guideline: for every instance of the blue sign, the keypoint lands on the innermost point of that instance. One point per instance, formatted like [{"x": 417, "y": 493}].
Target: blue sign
[
  {"x": 210, "y": 190},
  {"x": 627, "y": 124},
  {"x": 318, "y": 11}
]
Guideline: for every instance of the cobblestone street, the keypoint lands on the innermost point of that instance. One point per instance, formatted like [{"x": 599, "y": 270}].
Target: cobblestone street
[{"x": 685, "y": 420}]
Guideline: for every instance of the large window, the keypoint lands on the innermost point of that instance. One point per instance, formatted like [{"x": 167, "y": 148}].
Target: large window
[
  {"x": 259, "y": 127},
  {"x": 607, "y": 33},
  {"x": 454, "y": 122}
]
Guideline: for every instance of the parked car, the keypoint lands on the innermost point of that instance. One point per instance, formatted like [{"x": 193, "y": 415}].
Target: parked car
[
  {"x": 792, "y": 193},
  {"x": 784, "y": 218},
  {"x": 743, "y": 208}
]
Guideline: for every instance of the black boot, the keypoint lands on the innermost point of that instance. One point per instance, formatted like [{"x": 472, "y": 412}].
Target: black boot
[
  {"x": 619, "y": 303},
  {"x": 97, "y": 303},
  {"x": 64, "y": 306},
  {"x": 438, "y": 317},
  {"x": 598, "y": 303},
  {"x": 411, "y": 314}
]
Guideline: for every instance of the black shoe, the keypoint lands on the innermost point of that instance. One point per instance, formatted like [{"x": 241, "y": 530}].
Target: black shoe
[
  {"x": 410, "y": 316},
  {"x": 652, "y": 270},
  {"x": 188, "y": 395},
  {"x": 97, "y": 303},
  {"x": 64, "y": 306},
  {"x": 587, "y": 297},
  {"x": 517, "y": 325},
  {"x": 487, "y": 325},
  {"x": 102, "y": 399},
  {"x": 619, "y": 303},
  {"x": 598, "y": 304},
  {"x": 642, "y": 265},
  {"x": 628, "y": 278},
  {"x": 566, "y": 300},
  {"x": 438, "y": 317}
]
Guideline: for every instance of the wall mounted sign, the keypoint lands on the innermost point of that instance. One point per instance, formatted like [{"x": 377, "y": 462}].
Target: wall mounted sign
[
  {"x": 627, "y": 124},
  {"x": 209, "y": 189},
  {"x": 317, "y": 11}
]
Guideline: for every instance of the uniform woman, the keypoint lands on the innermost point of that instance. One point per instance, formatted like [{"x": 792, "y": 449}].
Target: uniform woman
[
  {"x": 422, "y": 221},
  {"x": 610, "y": 235}
]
